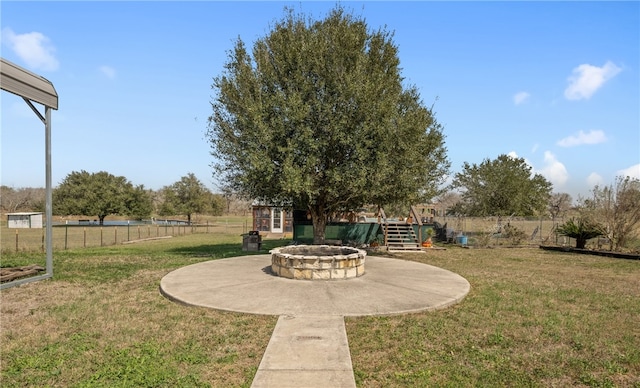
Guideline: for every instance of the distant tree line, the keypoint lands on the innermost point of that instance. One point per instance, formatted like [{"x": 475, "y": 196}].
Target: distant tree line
[
  {"x": 503, "y": 187},
  {"x": 21, "y": 199},
  {"x": 102, "y": 194}
]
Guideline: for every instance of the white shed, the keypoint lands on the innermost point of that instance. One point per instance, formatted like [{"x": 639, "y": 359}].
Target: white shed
[{"x": 24, "y": 220}]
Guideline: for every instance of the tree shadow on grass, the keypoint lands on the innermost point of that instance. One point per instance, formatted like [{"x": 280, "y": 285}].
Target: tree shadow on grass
[{"x": 221, "y": 251}]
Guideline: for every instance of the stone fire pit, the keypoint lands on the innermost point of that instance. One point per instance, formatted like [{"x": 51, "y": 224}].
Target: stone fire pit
[{"x": 317, "y": 262}]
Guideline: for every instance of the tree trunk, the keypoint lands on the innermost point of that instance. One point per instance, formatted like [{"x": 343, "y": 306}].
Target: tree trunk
[
  {"x": 189, "y": 219},
  {"x": 319, "y": 218},
  {"x": 101, "y": 219},
  {"x": 581, "y": 242}
]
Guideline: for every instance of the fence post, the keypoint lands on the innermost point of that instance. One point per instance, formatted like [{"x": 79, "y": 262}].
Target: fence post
[
  {"x": 116, "y": 236},
  {"x": 42, "y": 246},
  {"x": 101, "y": 236},
  {"x": 66, "y": 235},
  {"x": 16, "y": 240},
  {"x": 128, "y": 232},
  {"x": 540, "y": 229},
  {"x": 84, "y": 237},
  {"x": 138, "y": 232}
]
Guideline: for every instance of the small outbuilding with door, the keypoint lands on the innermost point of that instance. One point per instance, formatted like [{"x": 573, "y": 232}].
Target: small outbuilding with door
[
  {"x": 24, "y": 220},
  {"x": 269, "y": 219}
]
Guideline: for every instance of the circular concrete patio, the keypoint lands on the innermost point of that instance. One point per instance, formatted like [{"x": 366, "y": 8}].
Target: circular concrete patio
[{"x": 245, "y": 284}]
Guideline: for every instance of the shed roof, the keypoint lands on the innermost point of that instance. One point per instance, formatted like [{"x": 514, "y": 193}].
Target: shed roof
[{"x": 17, "y": 80}]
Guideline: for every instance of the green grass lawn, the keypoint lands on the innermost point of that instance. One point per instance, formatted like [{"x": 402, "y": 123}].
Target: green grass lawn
[{"x": 532, "y": 318}]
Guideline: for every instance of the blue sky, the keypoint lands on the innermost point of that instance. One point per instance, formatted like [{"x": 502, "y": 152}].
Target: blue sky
[{"x": 557, "y": 83}]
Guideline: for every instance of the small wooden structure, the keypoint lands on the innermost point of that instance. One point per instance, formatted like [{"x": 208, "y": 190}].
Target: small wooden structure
[
  {"x": 272, "y": 219},
  {"x": 24, "y": 220}
]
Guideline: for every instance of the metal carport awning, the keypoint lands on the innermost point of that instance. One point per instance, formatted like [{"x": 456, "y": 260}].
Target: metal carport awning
[{"x": 34, "y": 88}]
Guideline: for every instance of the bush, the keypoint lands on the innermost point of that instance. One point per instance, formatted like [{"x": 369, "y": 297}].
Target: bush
[
  {"x": 482, "y": 239},
  {"x": 513, "y": 234},
  {"x": 580, "y": 229}
]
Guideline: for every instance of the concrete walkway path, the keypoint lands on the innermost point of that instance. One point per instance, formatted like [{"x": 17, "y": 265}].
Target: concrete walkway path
[
  {"x": 309, "y": 345},
  {"x": 306, "y": 351}
]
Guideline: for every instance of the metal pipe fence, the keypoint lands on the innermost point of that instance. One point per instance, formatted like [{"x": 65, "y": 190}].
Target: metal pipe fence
[
  {"x": 85, "y": 236},
  {"x": 505, "y": 230},
  {"x": 479, "y": 230}
]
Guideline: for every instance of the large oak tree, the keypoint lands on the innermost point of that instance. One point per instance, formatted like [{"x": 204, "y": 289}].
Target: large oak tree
[
  {"x": 317, "y": 115},
  {"x": 189, "y": 196},
  {"x": 504, "y": 186},
  {"x": 100, "y": 194}
]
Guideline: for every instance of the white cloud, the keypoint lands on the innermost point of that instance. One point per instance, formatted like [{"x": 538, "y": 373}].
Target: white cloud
[
  {"x": 594, "y": 179},
  {"x": 34, "y": 48},
  {"x": 554, "y": 170},
  {"x": 592, "y": 137},
  {"x": 520, "y": 97},
  {"x": 633, "y": 172},
  {"x": 587, "y": 79},
  {"x": 108, "y": 71}
]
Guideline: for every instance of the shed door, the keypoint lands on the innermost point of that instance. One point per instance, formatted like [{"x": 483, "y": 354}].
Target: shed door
[{"x": 277, "y": 220}]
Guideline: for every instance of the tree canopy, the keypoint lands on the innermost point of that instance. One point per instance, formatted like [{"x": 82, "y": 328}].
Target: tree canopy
[
  {"x": 21, "y": 199},
  {"x": 100, "y": 194},
  {"x": 317, "y": 116},
  {"x": 582, "y": 229},
  {"x": 189, "y": 196},
  {"x": 559, "y": 203},
  {"x": 504, "y": 186},
  {"x": 616, "y": 208}
]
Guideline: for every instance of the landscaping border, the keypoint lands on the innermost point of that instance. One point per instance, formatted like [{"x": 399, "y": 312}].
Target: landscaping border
[{"x": 618, "y": 255}]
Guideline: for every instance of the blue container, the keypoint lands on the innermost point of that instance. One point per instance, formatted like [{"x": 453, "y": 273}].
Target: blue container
[{"x": 462, "y": 240}]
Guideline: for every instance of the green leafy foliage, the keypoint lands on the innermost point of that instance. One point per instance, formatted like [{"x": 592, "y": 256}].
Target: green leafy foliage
[
  {"x": 316, "y": 116},
  {"x": 581, "y": 229},
  {"x": 504, "y": 186},
  {"x": 189, "y": 196},
  {"x": 100, "y": 194}
]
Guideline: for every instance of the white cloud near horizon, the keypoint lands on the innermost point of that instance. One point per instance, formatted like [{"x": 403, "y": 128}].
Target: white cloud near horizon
[
  {"x": 34, "y": 48},
  {"x": 520, "y": 98},
  {"x": 633, "y": 172},
  {"x": 595, "y": 179},
  {"x": 554, "y": 170},
  {"x": 586, "y": 79},
  {"x": 108, "y": 71},
  {"x": 595, "y": 136}
]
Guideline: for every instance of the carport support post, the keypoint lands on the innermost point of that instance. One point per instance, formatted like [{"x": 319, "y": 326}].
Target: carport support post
[
  {"x": 34, "y": 88},
  {"x": 48, "y": 194}
]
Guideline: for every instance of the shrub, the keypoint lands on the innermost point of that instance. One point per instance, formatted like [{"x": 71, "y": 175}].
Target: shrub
[
  {"x": 513, "y": 234},
  {"x": 580, "y": 229}
]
